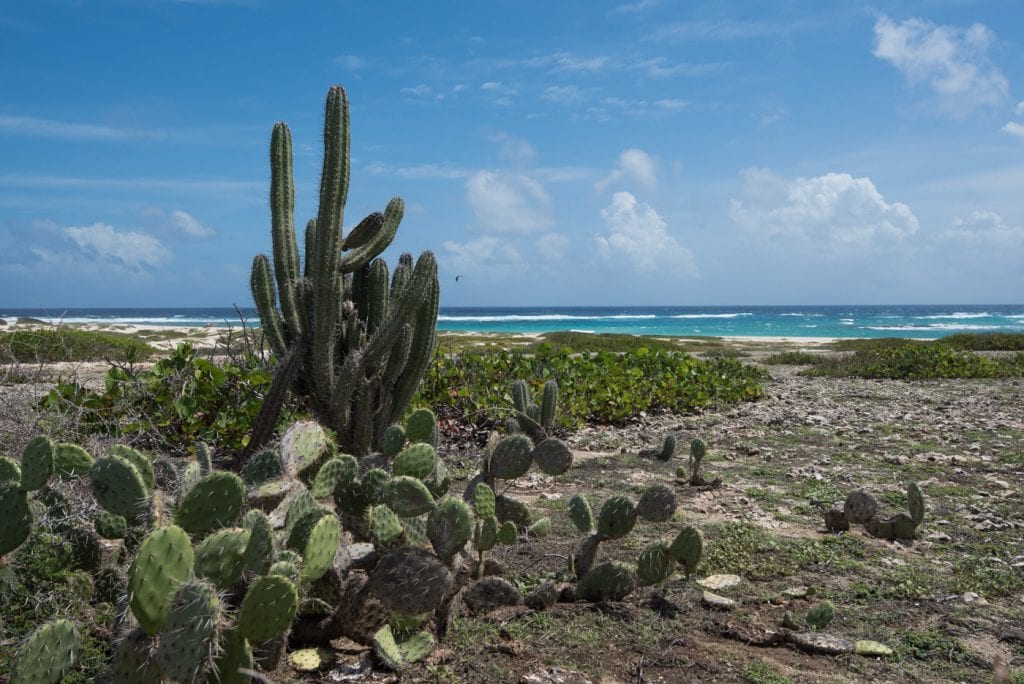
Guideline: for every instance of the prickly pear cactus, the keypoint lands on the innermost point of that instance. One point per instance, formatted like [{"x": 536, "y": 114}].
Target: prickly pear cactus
[
  {"x": 688, "y": 548},
  {"x": 188, "y": 639},
  {"x": 320, "y": 547},
  {"x": 511, "y": 458},
  {"x": 654, "y": 564},
  {"x": 398, "y": 651},
  {"x": 581, "y": 514},
  {"x": 15, "y": 517},
  {"x": 820, "y": 615},
  {"x": 47, "y": 653},
  {"x": 221, "y": 557},
  {"x": 449, "y": 528},
  {"x": 262, "y": 467},
  {"x": 407, "y": 496},
  {"x": 267, "y": 609},
  {"x": 165, "y": 560},
  {"x": 235, "y": 655},
  {"x": 421, "y": 426},
  {"x": 410, "y": 581},
  {"x": 214, "y": 502},
  {"x": 915, "y": 502},
  {"x": 303, "y": 445},
  {"x": 340, "y": 471},
  {"x": 36, "y": 464},
  {"x": 617, "y": 518},
  {"x": 10, "y": 471},
  {"x": 140, "y": 461},
  {"x": 118, "y": 486},
  {"x": 612, "y": 581},
  {"x": 552, "y": 456},
  {"x": 657, "y": 503},
  {"x": 70, "y": 461},
  {"x": 418, "y": 460}
]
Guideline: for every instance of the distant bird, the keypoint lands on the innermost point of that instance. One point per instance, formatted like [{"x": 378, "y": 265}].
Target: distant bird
[{"x": 457, "y": 278}]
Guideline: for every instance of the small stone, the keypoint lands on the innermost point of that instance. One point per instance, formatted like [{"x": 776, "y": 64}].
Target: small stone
[
  {"x": 795, "y": 592},
  {"x": 716, "y": 602},
  {"x": 972, "y": 597},
  {"x": 866, "y": 647},
  {"x": 718, "y": 582}
]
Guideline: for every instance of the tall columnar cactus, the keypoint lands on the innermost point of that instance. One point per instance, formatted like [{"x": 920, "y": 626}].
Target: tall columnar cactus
[{"x": 356, "y": 343}]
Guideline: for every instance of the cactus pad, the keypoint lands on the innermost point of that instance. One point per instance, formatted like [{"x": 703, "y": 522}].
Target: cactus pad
[
  {"x": 415, "y": 531},
  {"x": 668, "y": 448},
  {"x": 421, "y": 426},
  {"x": 15, "y": 517},
  {"x": 36, "y": 464},
  {"x": 189, "y": 636},
  {"x": 915, "y": 501},
  {"x": 301, "y": 529},
  {"x": 339, "y": 471},
  {"x": 860, "y": 507},
  {"x": 215, "y": 501},
  {"x": 235, "y": 655},
  {"x": 221, "y": 556},
  {"x": 581, "y": 514},
  {"x": 259, "y": 550},
  {"x": 553, "y": 456},
  {"x": 133, "y": 660},
  {"x": 263, "y": 466},
  {"x": 483, "y": 500},
  {"x": 541, "y": 527},
  {"x": 10, "y": 471},
  {"x": 657, "y": 503},
  {"x": 118, "y": 486},
  {"x": 489, "y": 593},
  {"x": 611, "y": 581},
  {"x": 618, "y": 515},
  {"x": 71, "y": 460},
  {"x": 190, "y": 475},
  {"x": 486, "y": 534},
  {"x": 407, "y": 496},
  {"x": 140, "y": 461},
  {"x": 585, "y": 556},
  {"x": 416, "y": 461},
  {"x": 820, "y": 615},
  {"x": 47, "y": 653},
  {"x": 165, "y": 560},
  {"x": 384, "y": 524},
  {"x": 397, "y": 652},
  {"x": 267, "y": 609},
  {"x": 394, "y": 440},
  {"x": 687, "y": 549},
  {"x": 298, "y": 505},
  {"x": 508, "y": 509},
  {"x": 286, "y": 569},
  {"x": 439, "y": 480},
  {"x": 320, "y": 548},
  {"x": 512, "y": 457},
  {"x": 654, "y": 564},
  {"x": 507, "y": 532},
  {"x": 410, "y": 581},
  {"x": 302, "y": 446},
  {"x": 698, "y": 449}
]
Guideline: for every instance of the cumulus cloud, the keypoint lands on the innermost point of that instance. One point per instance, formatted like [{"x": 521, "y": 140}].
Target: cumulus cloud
[
  {"x": 638, "y": 235},
  {"x": 953, "y": 61},
  {"x": 985, "y": 230},
  {"x": 634, "y": 166},
  {"x": 125, "y": 248},
  {"x": 1014, "y": 128},
  {"x": 552, "y": 246},
  {"x": 487, "y": 255},
  {"x": 836, "y": 211},
  {"x": 189, "y": 224},
  {"x": 508, "y": 202},
  {"x": 513, "y": 149}
]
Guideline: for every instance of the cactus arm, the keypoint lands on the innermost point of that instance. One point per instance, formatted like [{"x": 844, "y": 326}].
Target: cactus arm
[
  {"x": 266, "y": 419},
  {"x": 309, "y": 244},
  {"x": 263, "y": 294},
  {"x": 282, "y": 226},
  {"x": 359, "y": 257},
  {"x": 376, "y": 294}
]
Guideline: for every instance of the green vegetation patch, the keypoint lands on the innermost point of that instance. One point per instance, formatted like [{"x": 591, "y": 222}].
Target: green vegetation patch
[
  {"x": 918, "y": 362},
  {"x": 993, "y": 341},
  {"x": 794, "y": 358},
  {"x": 46, "y": 345}
]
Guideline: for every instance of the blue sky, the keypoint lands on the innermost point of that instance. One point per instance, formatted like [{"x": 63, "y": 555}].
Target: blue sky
[{"x": 620, "y": 152}]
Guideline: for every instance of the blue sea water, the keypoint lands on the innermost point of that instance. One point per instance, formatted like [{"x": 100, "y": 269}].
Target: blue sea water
[{"x": 930, "y": 321}]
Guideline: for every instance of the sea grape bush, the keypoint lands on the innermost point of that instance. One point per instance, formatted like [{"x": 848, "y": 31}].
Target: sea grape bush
[
  {"x": 602, "y": 387},
  {"x": 919, "y": 362}
]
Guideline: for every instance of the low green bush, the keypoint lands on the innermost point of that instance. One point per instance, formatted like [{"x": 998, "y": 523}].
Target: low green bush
[
  {"x": 47, "y": 345},
  {"x": 874, "y": 343},
  {"x": 994, "y": 341},
  {"x": 918, "y": 362},
  {"x": 604, "y": 387},
  {"x": 598, "y": 342},
  {"x": 793, "y": 358}
]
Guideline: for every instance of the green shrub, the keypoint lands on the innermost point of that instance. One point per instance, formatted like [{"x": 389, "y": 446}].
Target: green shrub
[
  {"x": 793, "y": 358},
  {"x": 993, "y": 341},
  {"x": 598, "y": 342},
  {"x": 602, "y": 387},
  {"x": 182, "y": 400},
  {"x": 46, "y": 345},
  {"x": 875, "y": 344},
  {"x": 918, "y": 362}
]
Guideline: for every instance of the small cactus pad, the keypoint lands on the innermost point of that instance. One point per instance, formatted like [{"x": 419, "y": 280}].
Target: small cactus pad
[
  {"x": 47, "y": 653},
  {"x": 268, "y": 608},
  {"x": 821, "y": 614},
  {"x": 657, "y": 503},
  {"x": 410, "y": 581},
  {"x": 394, "y": 440},
  {"x": 553, "y": 456},
  {"x": 585, "y": 556},
  {"x": 36, "y": 464},
  {"x": 165, "y": 560},
  {"x": 668, "y": 448},
  {"x": 298, "y": 505},
  {"x": 286, "y": 569},
  {"x": 611, "y": 581},
  {"x": 581, "y": 514},
  {"x": 190, "y": 475},
  {"x": 235, "y": 655},
  {"x": 449, "y": 527},
  {"x": 416, "y": 461},
  {"x": 489, "y": 593},
  {"x": 483, "y": 500},
  {"x": 339, "y": 471},
  {"x": 408, "y": 496},
  {"x": 215, "y": 501},
  {"x": 508, "y": 509},
  {"x": 263, "y": 466},
  {"x": 836, "y": 521},
  {"x": 259, "y": 551},
  {"x": 384, "y": 524},
  {"x": 189, "y": 636},
  {"x": 397, "y": 652},
  {"x": 543, "y": 596},
  {"x": 204, "y": 457},
  {"x": 71, "y": 460},
  {"x": 15, "y": 517},
  {"x": 373, "y": 483},
  {"x": 301, "y": 529},
  {"x": 439, "y": 480},
  {"x": 541, "y": 527},
  {"x": 903, "y": 526},
  {"x": 654, "y": 564},
  {"x": 548, "y": 406},
  {"x": 915, "y": 501},
  {"x": 140, "y": 461},
  {"x": 320, "y": 548},
  {"x": 118, "y": 486},
  {"x": 507, "y": 532},
  {"x": 860, "y": 507},
  {"x": 415, "y": 531},
  {"x": 618, "y": 515},
  {"x": 10, "y": 471},
  {"x": 302, "y": 446},
  {"x": 421, "y": 426},
  {"x": 485, "y": 534},
  {"x": 221, "y": 556},
  {"x": 687, "y": 549},
  {"x": 698, "y": 449},
  {"x": 133, "y": 660},
  {"x": 512, "y": 457}
]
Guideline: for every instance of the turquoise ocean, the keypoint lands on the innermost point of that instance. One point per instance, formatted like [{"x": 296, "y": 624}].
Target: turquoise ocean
[{"x": 926, "y": 322}]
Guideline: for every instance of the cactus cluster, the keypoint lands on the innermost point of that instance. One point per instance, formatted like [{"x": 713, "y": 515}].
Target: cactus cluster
[
  {"x": 351, "y": 336},
  {"x": 614, "y": 580},
  {"x": 861, "y": 508}
]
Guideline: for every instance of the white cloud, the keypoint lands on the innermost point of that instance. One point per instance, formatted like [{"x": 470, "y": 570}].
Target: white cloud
[
  {"x": 552, "y": 246},
  {"x": 189, "y": 225},
  {"x": 568, "y": 94},
  {"x": 985, "y": 230},
  {"x": 423, "y": 92},
  {"x": 350, "y": 62},
  {"x": 1014, "y": 128},
  {"x": 513, "y": 149},
  {"x": 1020, "y": 107},
  {"x": 640, "y": 237},
  {"x": 444, "y": 171},
  {"x": 500, "y": 93},
  {"x": 835, "y": 212},
  {"x": 487, "y": 255},
  {"x": 133, "y": 250},
  {"x": 634, "y": 166},
  {"x": 48, "y": 128},
  {"x": 953, "y": 61},
  {"x": 507, "y": 202}
]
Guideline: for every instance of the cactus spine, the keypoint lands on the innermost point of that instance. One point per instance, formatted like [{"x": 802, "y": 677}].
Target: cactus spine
[{"x": 356, "y": 346}]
